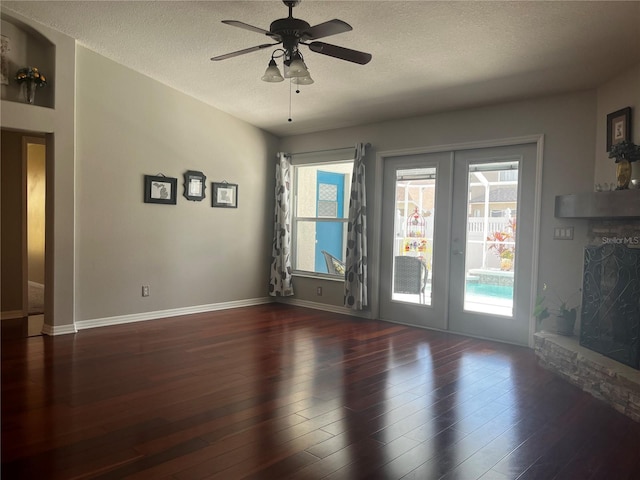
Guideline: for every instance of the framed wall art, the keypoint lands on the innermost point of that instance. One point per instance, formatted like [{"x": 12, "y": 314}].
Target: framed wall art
[
  {"x": 618, "y": 127},
  {"x": 194, "y": 185},
  {"x": 4, "y": 60},
  {"x": 160, "y": 189},
  {"x": 224, "y": 195}
]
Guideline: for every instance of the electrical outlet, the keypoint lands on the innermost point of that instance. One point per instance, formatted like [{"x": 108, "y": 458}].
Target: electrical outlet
[
  {"x": 145, "y": 290},
  {"x": 319, "y": 291}
]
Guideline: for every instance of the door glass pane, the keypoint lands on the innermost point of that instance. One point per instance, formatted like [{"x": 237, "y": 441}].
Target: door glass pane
[
  {"x": 491, "y": 237},
  {"x": 413, "y": 235}
]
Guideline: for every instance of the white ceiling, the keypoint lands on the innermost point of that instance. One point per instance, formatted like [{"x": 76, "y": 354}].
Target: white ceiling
[{"x": 427, "y": 56}]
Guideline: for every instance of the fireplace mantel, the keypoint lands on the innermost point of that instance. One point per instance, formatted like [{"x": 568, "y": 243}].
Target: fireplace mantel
[{"x": 618, "y": 204}]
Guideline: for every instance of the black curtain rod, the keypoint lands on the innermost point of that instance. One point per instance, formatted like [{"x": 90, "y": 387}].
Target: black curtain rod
[{"x": 367, "y": 145}]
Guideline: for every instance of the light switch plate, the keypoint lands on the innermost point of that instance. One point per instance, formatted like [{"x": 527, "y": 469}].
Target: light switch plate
[{"x": 563, "y": 233}]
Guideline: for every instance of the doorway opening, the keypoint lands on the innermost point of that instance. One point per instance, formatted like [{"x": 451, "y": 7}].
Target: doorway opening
[
  {"x": 36, "y": 172},
  {"x": 24, "y": 212}
]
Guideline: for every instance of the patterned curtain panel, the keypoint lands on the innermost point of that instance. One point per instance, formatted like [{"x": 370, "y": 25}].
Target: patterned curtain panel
[
  {"x": 355, "y": 285},
  {"x": 281, "y": 279}
]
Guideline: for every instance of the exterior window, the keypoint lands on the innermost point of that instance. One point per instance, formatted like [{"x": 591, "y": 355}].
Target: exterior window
[
  {"x": 321, "y": 209},
  {"x": 508, "y": 175}
]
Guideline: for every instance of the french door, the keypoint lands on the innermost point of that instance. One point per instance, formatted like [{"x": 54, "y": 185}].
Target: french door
[{"x": 457, "y": 241}]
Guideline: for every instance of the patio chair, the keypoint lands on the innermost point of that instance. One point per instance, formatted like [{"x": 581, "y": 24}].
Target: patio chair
[
  {"x": 334, "y": 265},
  {"x": 410, "y": 276}
]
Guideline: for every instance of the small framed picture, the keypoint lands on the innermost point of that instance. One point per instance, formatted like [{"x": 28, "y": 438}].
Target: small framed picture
[
  {"x": 160, "y": 189},
  {"x": 618, "y": 127},
  {"x": 224, "y": 195},
  {"x": 194, "y": 185}
]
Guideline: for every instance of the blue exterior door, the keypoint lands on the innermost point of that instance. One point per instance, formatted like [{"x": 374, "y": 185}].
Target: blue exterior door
[{"x": 329, "y": 204}]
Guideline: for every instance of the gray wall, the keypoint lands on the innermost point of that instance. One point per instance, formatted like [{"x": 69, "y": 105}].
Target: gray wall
[
  {"x": 190, "y": 254},
  {"x": 622, "y": 91},
  {"x": 106, "y": 242},
  {"x": 59, "y": 125},
  {"x": 568, "y": 123}
]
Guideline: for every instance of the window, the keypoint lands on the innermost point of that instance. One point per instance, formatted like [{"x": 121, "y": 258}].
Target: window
[
  {"x": 320, "y": 214},
  {"x": 508, "y": 175}
]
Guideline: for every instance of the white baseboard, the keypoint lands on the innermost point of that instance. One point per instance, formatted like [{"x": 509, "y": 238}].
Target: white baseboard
[
  {"x": 58, "y": 329},
  {"x": 325, "y": 307},
  {"x": 174, "y": 312}
]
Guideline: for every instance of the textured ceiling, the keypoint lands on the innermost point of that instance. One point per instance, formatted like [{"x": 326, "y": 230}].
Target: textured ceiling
[{"x": 427, "y": 56}]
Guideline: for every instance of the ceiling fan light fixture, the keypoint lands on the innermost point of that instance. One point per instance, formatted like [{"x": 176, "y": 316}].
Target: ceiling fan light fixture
[
  {"x": 306, "y": 80},
  {"x": 272, "y": 73},
  {"x": 295, "y": 67},
  {"x": 287, "y": 34}
]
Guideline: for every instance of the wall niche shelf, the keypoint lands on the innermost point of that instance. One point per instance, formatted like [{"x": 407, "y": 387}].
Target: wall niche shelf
[
  {"x": 27, "y": 48},
  {"x": 616, "y": 204}
]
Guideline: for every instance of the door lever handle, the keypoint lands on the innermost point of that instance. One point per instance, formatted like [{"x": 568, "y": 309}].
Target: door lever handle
[{"x": 458, "y": 252}]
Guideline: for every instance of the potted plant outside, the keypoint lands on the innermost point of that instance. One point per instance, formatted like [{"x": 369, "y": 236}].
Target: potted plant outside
[{"x": 502, "y": 244}]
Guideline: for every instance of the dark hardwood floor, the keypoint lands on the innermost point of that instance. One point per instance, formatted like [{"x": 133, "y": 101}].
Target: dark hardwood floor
[{"x": 279, "y": 392}]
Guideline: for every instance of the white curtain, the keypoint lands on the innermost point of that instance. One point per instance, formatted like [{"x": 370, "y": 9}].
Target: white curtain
[
  {"x": 355, "y": 284},
  {"x": 281, "y": 280}
]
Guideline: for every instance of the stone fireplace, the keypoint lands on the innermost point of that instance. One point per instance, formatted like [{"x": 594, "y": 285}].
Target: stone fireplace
[
  {"x": 605, "y": 358},
  {"x": 610, "y": 313}
]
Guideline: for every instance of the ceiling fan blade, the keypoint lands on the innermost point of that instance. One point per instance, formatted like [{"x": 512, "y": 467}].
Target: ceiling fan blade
[
  {"x": 246, "y": 26},
  {"x": 340, "y": 52},
  {"x": 332, "y": 27},
  {"x": 242, "y": 52}
]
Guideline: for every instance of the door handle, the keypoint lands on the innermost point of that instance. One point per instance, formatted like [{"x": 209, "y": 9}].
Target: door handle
[{"x": 458, "y": 252}]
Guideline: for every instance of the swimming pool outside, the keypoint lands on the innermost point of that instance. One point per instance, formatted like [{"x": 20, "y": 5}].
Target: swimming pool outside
[{"x": 479, "y": 297}]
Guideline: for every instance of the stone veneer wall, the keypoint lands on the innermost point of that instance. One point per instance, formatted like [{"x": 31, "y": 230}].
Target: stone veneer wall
[
  {"x": 626, "y": 230},
  {"x": 602, "y": 377}
]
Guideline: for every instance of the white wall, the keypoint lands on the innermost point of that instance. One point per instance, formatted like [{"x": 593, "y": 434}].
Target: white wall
[
  {"x": 189, "y": 254},
  {"x": 568, "y": 123}
]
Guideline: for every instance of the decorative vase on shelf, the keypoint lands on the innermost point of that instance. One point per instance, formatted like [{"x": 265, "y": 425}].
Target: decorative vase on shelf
[
  {"x": 29, "y": 91},
  {"x": 623, "y": 174},
  {"x": 625, "y": 153},
  {"x": 30, "y": 78}
]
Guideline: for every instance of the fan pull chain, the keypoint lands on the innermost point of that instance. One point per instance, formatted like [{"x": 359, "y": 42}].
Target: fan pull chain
[{"x": 290, "y": 101}]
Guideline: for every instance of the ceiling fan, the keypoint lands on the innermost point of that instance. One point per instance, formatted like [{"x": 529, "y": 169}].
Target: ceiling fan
[{"x": 292, "y": 32}]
